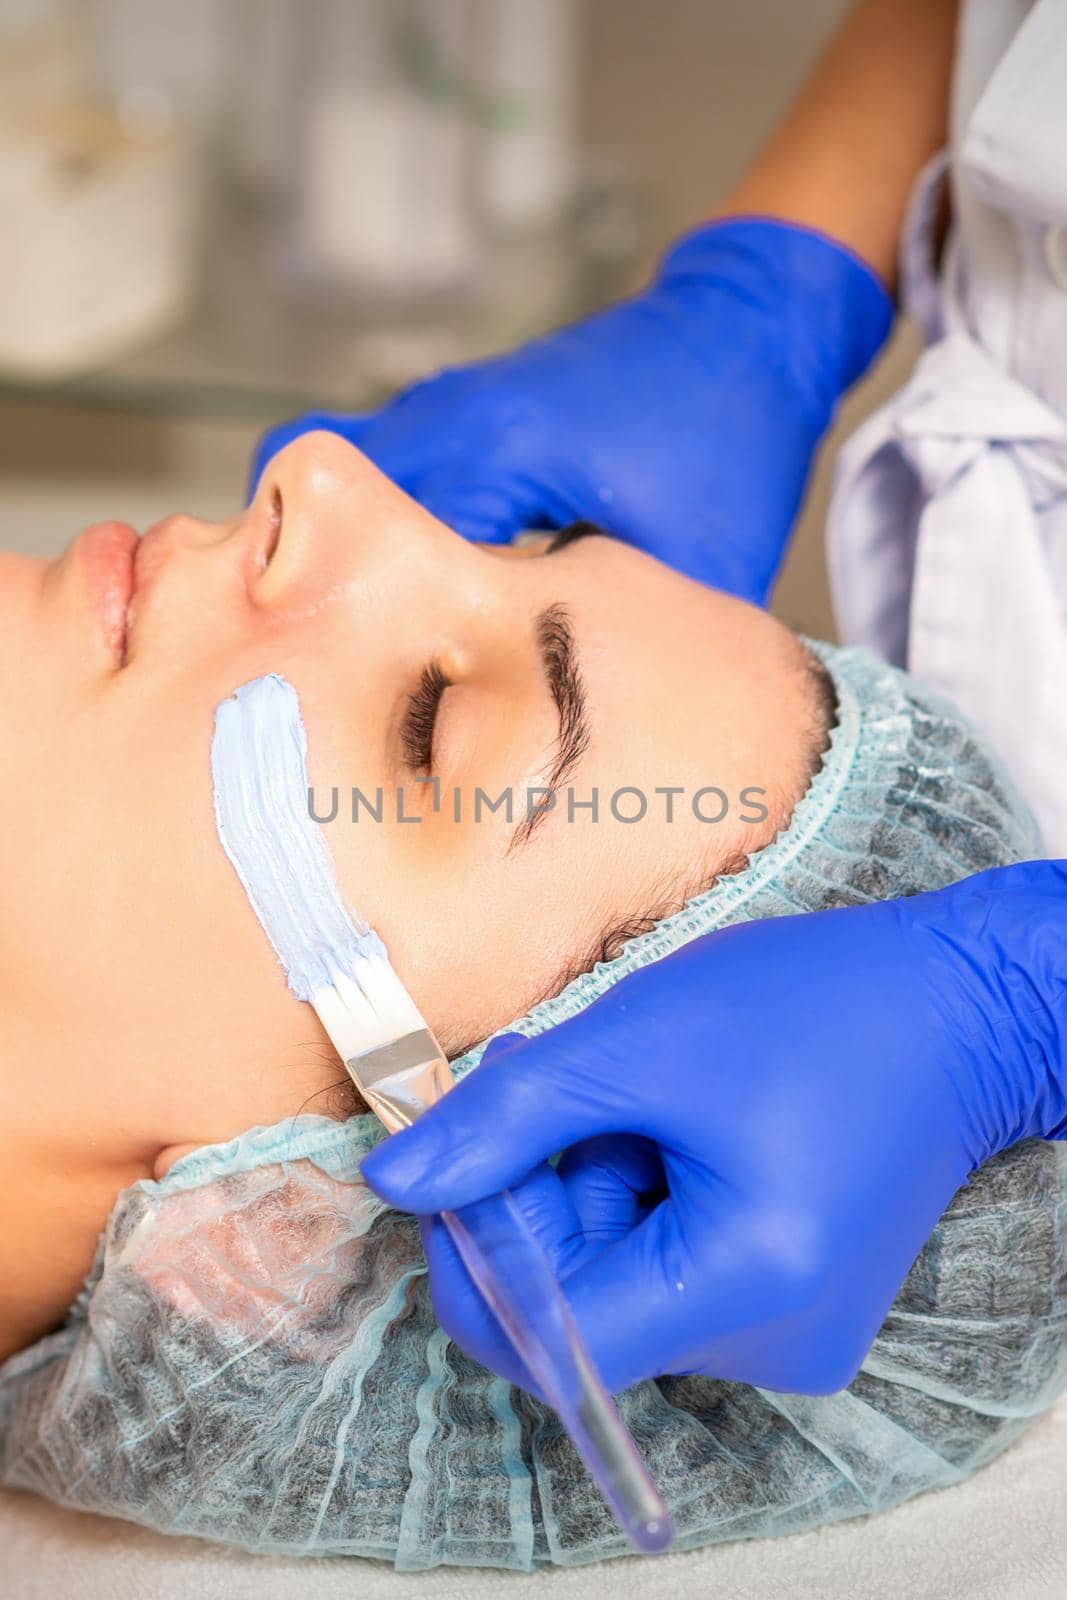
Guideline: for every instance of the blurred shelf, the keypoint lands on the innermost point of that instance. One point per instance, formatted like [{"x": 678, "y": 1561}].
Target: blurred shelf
[{"x": 249, "y": 351}]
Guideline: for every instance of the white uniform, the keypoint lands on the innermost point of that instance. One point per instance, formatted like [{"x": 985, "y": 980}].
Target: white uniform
[{"x": 948, "y": 528}]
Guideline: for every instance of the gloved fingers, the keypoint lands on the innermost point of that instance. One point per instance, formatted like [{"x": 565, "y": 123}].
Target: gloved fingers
[
  {"x": 462, "y": 1312},
  {"x": 350, "y": 427},
  {"x": 723, "y": 1292},
  {"x": 481, "y": 510},
  {"x": 634, "y": 1301},
  {"x": 726, "y": 1289},
  {"x": 526, "y": 1100},
  {"x": 546, "y": 1207},
  {"x": 612, "y": 1182}
]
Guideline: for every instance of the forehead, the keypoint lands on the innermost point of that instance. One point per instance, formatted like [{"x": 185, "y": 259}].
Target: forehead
[
  {"x": 672, "y": 668},
  {"x": 685, "y": 685}
]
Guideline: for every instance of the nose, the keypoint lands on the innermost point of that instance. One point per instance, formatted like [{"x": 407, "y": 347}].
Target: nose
[{"x": 336, "y": 528}]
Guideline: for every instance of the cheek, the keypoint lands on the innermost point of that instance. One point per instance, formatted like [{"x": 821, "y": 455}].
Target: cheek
[
  {"x": 440, "y": 918},
  {"x": 496, "y": 948}
]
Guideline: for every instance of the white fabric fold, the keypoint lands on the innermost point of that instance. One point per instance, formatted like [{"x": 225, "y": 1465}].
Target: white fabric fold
[{"x": 939, "y": 560}]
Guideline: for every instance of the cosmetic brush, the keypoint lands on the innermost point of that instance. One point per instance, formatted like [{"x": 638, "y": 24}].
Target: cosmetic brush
[{"x": 337, "y": 963}]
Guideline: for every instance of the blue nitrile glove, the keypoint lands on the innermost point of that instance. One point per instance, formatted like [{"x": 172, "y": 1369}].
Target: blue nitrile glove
[
  {"x": 761, "y": 1130},
  {"x": 683, "y": 420}
]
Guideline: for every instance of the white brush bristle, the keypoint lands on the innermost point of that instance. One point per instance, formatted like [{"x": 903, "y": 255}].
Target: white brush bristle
[{"x": 368, "y": 1009}]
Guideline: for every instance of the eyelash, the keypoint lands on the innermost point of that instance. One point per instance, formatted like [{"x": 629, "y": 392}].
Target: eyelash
[{"x": 420, "y": 719}]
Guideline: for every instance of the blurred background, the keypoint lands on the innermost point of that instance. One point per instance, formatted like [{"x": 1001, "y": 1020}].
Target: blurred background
[{"x": 218, "y": 213}]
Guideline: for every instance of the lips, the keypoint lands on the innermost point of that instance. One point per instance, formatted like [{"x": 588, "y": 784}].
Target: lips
[
  {"x": 120, "y": 569},
  {"x": 107, "y": 553}
]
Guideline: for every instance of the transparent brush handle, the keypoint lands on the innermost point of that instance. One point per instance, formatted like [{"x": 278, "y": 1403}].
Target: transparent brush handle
[{"x": 518, "y": 1284}]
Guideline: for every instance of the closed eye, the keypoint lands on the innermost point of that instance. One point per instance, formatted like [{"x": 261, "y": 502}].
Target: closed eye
[{"x": 420, "y": 718}]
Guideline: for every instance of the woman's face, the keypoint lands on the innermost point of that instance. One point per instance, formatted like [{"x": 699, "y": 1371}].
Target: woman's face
[{"x": 138, "y": 994}]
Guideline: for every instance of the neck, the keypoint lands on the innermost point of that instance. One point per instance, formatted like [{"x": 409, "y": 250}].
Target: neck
[{"x": 52, "y": 1212}]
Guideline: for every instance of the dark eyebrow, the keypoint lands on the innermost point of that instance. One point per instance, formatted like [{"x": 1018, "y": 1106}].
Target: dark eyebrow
[{"x": 555, "y": 645}]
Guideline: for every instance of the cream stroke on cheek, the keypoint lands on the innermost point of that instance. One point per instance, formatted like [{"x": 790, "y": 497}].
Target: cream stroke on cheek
[{"x": 284, "y": 867}]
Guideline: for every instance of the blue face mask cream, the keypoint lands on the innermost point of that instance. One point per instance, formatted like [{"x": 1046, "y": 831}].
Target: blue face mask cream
[{"x": 337, "y": 964}]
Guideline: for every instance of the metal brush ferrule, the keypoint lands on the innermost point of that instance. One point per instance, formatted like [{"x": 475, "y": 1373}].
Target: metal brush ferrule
[{"x": 402, "y": 1079}]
